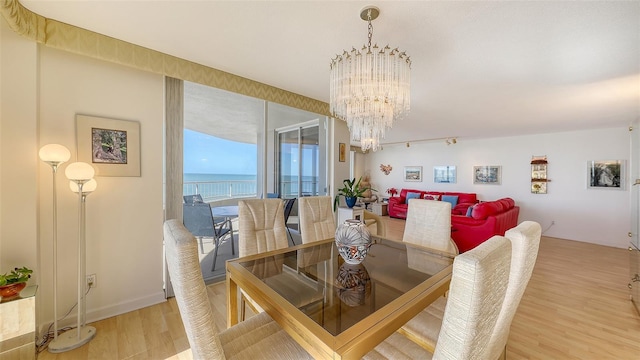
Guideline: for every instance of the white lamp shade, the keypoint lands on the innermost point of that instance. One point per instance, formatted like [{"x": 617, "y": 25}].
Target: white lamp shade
[
  {"x": 79, "y": 171},
  {"x": 87, "y": 187},
  {"x": 54, "y": 153}
]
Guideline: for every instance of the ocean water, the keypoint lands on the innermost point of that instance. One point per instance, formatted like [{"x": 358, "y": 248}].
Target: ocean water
[
  {"x": 219, "y": 186},
  {"x": 217, "y": 177}
]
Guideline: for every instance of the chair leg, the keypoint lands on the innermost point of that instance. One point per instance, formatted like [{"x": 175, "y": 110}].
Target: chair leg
[
  {"x": 233, "y": 247},
  {"x": 503, "y": 356},
  {"x": 243, "y": 307},
  {"x": 216, "y": 241},
  {"x": 290, "y": 237},
  {"x": 201, "y": 245}
]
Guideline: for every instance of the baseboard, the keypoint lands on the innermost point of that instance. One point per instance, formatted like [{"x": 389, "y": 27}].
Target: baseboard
[{"x": 94, "y": 315}]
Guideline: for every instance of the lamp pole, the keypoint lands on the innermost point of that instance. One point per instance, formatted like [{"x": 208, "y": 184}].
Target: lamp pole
[
  {"x": 55, "y": 155},
  {"x": 80, "y": 174}
]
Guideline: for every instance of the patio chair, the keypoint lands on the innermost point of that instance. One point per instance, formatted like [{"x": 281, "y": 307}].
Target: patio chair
[
  {"x": 288, "y": 207},
  {"x": 193, "y": 199},
  {"x": 198, "y": 219}
]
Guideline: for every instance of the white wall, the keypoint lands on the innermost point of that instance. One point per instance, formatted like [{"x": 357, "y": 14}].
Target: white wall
[
  {"x": 339, "y": 133},
  {"x": 18, "y": 151},
  {"x": 124, "y": 215},
  {"x": 598, "y": 216}
]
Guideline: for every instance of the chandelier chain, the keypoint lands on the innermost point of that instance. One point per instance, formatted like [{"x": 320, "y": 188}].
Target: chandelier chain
[{"x": 370, "y": 28}]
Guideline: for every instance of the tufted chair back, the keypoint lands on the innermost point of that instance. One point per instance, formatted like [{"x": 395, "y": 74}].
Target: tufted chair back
[
  {"x": 525, "y": 241},
  {"x": 476, "y": 294},
  {"x": 429, "y": 224},
  {"x": 316, "y": 219},
  {"x": 261, "y": 226}
]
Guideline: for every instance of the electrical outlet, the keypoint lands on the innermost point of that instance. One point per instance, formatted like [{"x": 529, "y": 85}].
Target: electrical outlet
[{"x": 91, "y": 281}]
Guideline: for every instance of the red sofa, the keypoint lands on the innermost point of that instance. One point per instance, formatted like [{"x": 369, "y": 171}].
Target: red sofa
[
  {"x": 397, "y": 207},
  {"x": 487, "y": 219}
]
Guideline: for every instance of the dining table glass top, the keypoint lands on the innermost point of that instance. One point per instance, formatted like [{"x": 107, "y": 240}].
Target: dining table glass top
[{"x": 337, "y": 295}]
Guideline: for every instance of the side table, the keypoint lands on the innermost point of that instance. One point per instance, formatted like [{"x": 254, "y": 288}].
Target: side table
[
  {"x": 18, "y": 326},
  {"x": 379, "y": 209},
  {"x": 345, "y": 213}
]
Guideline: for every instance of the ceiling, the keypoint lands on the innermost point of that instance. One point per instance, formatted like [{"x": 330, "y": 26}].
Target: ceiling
[{"x": 479, "y": 69}]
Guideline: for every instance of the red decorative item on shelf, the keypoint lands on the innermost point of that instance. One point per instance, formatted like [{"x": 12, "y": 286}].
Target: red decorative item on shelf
[
  {"x": 392, "y": 191},
  {"x": 11, "y": 290}
]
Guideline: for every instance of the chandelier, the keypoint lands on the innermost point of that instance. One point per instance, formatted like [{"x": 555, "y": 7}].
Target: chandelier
[{"x": 369, "y": 88}]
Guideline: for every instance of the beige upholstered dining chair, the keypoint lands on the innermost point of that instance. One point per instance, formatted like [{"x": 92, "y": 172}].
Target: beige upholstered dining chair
[
  {"x": 525, "y": 239},
  {"x": 429, "y": 224},
  {"x": 262, "y": 228},
  {"x": 525, "y": 242},
  {"x": 476, "y": 296},
  {"x": 315, "y": 214},
  {"x": 259, "y": 337}
]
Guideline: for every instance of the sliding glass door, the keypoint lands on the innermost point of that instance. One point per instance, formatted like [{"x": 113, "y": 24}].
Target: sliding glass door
[{"x": 301, "y": 160}]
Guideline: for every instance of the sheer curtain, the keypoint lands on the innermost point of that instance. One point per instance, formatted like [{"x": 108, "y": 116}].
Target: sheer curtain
[
  {"x": 174, "y": 120},
  {"x": 174, "y": 128}
]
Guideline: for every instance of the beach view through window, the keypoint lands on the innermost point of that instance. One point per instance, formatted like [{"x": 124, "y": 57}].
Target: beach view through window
[{"x": 218, "y": 169}]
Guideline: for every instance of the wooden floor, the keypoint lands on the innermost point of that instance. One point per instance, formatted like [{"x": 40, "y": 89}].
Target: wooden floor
[{"x": 576, "y": 307}]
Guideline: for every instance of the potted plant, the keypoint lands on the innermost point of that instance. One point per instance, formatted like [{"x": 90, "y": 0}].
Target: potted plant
[
  {"x": 13, "y": 282},
  {"x": 351, "y": 192}
]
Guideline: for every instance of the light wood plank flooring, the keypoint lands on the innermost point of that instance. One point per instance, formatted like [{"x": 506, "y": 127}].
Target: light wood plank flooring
[{"x": 576, "y": 307}]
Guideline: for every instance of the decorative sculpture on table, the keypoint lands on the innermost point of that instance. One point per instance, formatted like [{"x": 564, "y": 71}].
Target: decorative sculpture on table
[{"x": 353, "y": 241}]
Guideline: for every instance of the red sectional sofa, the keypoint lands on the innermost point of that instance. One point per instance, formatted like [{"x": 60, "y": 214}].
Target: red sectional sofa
[
  {"x": 397, "y": 207},
  {"x": 487, "y": 219}
]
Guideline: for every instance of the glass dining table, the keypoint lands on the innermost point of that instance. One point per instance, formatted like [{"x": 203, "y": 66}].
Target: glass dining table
[{"x": 337, "y": 310}]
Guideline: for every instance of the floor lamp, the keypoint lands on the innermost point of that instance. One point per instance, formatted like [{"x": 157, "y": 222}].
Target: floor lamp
[
  {"x": 80, "y": 174},
  {"x": 55, "y": 155}
]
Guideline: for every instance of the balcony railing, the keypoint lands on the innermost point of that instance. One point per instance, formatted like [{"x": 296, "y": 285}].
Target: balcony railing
[
  {"x": 228, "y": 189},
  {"x": 289, "y": 189},
  {"x": 219, "y": 190}
]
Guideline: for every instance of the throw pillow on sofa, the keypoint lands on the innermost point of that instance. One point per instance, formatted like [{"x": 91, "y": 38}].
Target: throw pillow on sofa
[
  {"x": 470, "y": 210},
  {"x": 431, "y": 197},
  {"x": 453, "y": 200},
  {"x": 412, "y": 195}
]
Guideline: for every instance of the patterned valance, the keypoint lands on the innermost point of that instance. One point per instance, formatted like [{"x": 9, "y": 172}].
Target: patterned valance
[{"x": 80, "y": 41}]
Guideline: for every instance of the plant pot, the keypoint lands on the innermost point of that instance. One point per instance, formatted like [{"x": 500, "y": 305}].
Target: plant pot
[
  {"x": 10, "y": 291},
  {"x": 353, "y": 241},
  {"x": 350, "y": 200}
]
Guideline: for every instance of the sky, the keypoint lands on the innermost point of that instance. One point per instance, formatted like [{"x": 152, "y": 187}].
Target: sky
[{"x": 206, "y": 154}]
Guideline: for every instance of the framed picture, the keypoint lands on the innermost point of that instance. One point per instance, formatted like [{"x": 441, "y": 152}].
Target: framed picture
[
  {"x": 605, "y": 174},
  {"x": 444, "y": 174},
  {"x": 342, "y": 152},
  {"x": 111, "y": 146},
  {"x": 413, "y": 173},
  {"x": 491, "y": 174}
]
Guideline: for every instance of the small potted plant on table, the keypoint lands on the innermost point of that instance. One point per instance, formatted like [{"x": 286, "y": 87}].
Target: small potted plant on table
[
  {"x": 13, "y": 282},
  {"x": 351, "y": 192}
]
